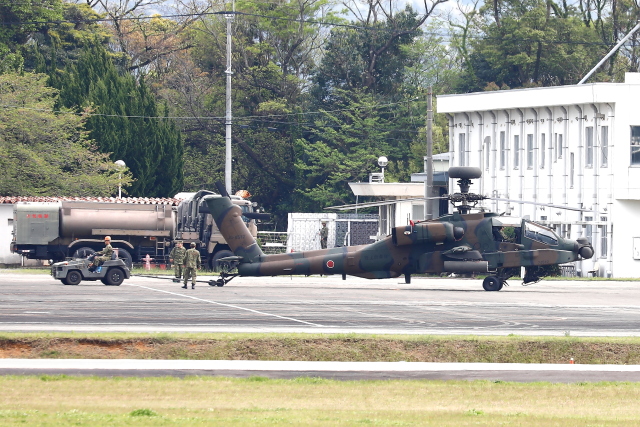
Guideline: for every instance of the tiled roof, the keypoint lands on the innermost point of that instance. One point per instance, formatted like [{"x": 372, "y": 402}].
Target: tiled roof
[{"x": 137, "y": 200}]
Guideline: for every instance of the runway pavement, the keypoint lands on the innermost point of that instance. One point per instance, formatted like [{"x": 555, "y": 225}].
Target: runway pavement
[
  {"x": 37, "y": 302},
  {"x": 332, "y": 370}
]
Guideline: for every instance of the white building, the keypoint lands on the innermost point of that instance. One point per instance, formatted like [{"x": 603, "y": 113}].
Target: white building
[
  {"x": 6, "y": 227},
  {"x": 575, "y": 146}
]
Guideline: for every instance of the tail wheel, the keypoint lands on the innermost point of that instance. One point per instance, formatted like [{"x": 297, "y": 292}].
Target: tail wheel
[
  {"x": 492, "y": 284},
  {"x": 83, "y": 252},
  {"x": 216, "y": 265},
  {"x": 114, "y": 277},
  {"x": 74, "y": 277}
]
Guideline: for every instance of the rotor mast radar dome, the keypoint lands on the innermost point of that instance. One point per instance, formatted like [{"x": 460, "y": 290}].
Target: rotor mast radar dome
[{"x": 465, "y": 201}]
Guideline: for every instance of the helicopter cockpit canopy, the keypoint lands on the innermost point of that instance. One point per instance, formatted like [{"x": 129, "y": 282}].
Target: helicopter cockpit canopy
[
  {"x": 541, "y": 234},
  {"x": 506, "y": 221}
]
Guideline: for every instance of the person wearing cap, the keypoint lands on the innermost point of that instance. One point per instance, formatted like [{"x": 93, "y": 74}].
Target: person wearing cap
[
  {"x": 177, "y": 258},
  {"x": 103, "y": 255},
  {"x": 191, "y": 265}
]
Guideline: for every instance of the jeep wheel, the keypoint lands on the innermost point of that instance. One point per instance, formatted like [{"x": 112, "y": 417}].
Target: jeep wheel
[
  {"x": 74, "y": 277},
  {"x": 114, "y": 277}
]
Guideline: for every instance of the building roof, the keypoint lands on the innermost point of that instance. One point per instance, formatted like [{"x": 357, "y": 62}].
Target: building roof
[
  {"x": 134, "y": 200},
  {"x": 540, "y": 96}
]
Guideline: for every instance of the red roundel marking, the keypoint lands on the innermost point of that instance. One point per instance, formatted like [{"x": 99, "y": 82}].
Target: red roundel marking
[{"x": 330, "y": 264}]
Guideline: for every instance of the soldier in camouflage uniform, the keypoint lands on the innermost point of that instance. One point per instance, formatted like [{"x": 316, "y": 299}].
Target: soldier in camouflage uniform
[
  {"x": 324, "y": 235},
  {"x": 103, "y": 255},
  {"x": 191, "y": 266},
  {"x": 177, "y": 258}
]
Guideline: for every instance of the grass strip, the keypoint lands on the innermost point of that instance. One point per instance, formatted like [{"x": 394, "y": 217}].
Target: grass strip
[
  {"x": 61, "y": 400},
  {"x": 320, "y": 347}
]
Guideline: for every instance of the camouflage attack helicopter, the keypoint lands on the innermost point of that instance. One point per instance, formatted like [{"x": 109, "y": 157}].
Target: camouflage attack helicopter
[{"x": 462, "y": 242}]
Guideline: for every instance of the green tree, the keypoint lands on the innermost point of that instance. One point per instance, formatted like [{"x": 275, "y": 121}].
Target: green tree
[
  {"x": 21, "y": 20},
  {"x": 271, "y": 62},
  {"x": 343, "y": 145},
  {"x": 372, "y": 58},
  {"x": 126, "y": 121},
  {"x": 531, "y": 43},
  {"x": 44, "y": 153}
]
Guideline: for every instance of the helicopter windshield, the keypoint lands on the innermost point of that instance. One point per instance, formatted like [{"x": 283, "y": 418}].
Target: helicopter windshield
[{"x": 541, "y": 234}]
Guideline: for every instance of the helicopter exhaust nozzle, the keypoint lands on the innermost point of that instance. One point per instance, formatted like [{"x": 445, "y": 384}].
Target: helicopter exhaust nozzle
[{"x": 426, "y": 232}]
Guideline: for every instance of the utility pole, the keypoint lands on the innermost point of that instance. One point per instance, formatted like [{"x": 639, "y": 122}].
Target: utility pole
[
  {"x": 228, "y": 116},
  {"x": 428, "y": 161}
]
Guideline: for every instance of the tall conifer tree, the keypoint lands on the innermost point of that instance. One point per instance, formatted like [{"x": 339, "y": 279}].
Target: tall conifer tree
[{"x": 126, "y": 122}]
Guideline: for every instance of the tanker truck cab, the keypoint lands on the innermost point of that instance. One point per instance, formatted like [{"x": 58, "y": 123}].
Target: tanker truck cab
[{"x": 195, "y": 224}]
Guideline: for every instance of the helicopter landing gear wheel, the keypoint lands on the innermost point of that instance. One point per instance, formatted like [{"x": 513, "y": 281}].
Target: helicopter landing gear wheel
[{"x": 492, "y": 284}]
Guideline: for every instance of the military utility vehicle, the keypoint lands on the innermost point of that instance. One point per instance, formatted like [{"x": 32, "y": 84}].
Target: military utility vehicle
[{"x": 73, "y": 271}]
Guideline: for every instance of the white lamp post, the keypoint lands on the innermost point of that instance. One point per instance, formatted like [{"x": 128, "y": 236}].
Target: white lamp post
[
  {"x": 120, "y": 164},
  {"x": 382, "y": 162}
]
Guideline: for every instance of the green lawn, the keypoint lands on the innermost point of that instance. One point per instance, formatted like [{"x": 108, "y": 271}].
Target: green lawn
[{"x": 92, "y": 401}]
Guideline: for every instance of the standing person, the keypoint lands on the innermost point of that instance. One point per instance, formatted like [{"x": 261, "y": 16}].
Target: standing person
[
  {"x": 191, "y": 265},
  {"x": 103, "y": 255},
  {"x": 324, "y": 234},
  {"x": 177, "y": 258}
]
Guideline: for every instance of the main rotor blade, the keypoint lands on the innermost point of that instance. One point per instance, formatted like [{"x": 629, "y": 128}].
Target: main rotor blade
[
  {"x": 541, "y": 204},
  {"x": 380, "y": 203}
]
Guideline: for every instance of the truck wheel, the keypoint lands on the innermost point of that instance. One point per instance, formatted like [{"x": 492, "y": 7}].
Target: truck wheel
[
  {"x": 216, "y": 265},
  {"x": 114, "y": 277},
  {"x": 125, "y": 256},
  {"x": 83, "y": 252},
  {"x": 74, "y": 277}
]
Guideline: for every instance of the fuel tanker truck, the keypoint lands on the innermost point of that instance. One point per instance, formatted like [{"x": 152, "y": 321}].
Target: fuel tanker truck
[{"x": 62, "y": 229}]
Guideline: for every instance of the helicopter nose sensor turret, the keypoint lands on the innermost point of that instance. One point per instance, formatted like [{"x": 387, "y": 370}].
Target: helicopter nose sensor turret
[{"x": 584, "y": 249}]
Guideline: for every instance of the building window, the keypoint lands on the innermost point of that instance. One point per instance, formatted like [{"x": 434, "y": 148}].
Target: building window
[
  {"x": 604, "y": 146},
  {"x": 542, "y": 148},
  {"x": 516, "y": 151},
  {"x": 589, "y": 146},
  {"x": 603, "y": 238},
  {"x": 462, "y": 147},
  {"x": 417, "y": 212},
  {"x": 529, "y": 151},
  {"x": 559, "y": 145},
  {"x": 588, "y": 229},
  {"x": 572, "y": 170},
  {"x": 487, "y": 146},
  {"x": 635, "y": 145},
  {"x": 503, "y": 150}
]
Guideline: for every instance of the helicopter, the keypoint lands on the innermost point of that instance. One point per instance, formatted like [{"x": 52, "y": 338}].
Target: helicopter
[{"x": 463, "y": 242}]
